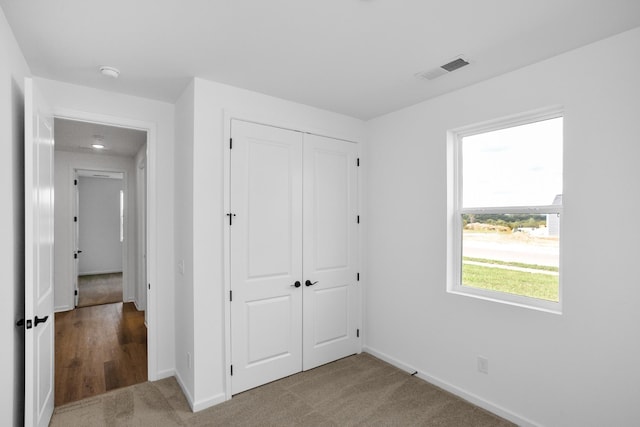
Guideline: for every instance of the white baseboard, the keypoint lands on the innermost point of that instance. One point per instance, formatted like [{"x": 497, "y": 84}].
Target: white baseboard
[
  {"x": 160, "y": 375},
  {"x": 63, "y": 308},
  {"x": 92, "y": 273},
  {"x": 390, "y": 360},
  {"x": 135, "y": 302},
  {"x": 203, "y": 403},
  {"x": 185, "y": 391},
  {"x": 463, "y": 394},
  {"x": 209, "y": 402}
]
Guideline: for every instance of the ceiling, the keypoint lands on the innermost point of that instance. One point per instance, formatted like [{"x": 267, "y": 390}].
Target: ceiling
[
  {"x": 356, "y": 57},
  {"x": 78, "y": 136}
]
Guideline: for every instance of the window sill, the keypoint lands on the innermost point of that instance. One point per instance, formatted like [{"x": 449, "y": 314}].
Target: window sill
[{"x": 509, "y": 299}]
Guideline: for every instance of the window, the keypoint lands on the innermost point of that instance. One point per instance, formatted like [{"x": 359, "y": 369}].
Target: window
[
  {"x": 505, "y": 206},
  {"x": 121, "y": 216}
]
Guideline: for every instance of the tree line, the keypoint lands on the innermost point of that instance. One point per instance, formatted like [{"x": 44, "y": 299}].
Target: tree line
[{"x": 513, "y": 221}]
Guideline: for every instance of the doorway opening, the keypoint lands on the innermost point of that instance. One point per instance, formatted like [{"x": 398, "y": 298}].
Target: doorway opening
[
  {"x": 100, "y": 257},
  {"x": 99, "y": 237}
]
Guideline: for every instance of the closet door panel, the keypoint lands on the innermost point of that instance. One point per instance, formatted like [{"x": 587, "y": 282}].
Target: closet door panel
[
  {"x": 330, "y": 305},
  {"x": 331, "y": 214},
  {"x": 269, "y": 210},
  {"x": 265, "y": 253},
  {"x": 332, "y": 328}
]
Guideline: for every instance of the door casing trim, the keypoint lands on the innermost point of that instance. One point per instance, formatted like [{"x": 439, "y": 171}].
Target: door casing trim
[{"x": 151, "y": 154}]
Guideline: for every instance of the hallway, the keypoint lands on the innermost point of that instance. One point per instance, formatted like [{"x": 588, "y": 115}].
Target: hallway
[{"x": 98, "y": 349}]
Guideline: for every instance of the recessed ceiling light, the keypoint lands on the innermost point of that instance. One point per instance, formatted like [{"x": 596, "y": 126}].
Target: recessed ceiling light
[
  {"x": 109, "y": 71},
  {"x": 97, "y": 146}
]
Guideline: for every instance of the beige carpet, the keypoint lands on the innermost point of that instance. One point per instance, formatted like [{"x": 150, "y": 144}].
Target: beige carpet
[
  {"x": 99, "y": 289},
  {"x": 358, "y": 390}
]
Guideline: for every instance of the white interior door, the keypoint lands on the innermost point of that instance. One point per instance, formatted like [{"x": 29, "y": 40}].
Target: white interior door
[
  {"x": 39, "y": 323},
  {"x": 265, "y": 254},
  {"x": 331, "y": 294}
]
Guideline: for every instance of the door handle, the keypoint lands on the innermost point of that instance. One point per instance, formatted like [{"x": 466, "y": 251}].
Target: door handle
[
  {"x": 297, "y": 284},
  {"x": 308, "y": 283},
  {"x": 38, "y": 320}
]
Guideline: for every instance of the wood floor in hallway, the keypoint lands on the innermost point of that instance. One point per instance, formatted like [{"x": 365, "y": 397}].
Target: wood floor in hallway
[{"x": 99, "y": 348}]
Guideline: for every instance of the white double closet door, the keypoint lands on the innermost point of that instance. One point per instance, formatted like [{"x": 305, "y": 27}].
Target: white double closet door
[{"x": 294, "y": 249}]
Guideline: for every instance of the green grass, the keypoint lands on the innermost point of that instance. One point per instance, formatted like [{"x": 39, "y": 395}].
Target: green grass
[
  {"x": 514, "y": 264},
  {"x": 534, "y": 285}
]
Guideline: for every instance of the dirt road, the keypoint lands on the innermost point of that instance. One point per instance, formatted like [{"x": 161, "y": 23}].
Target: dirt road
[{"x": 513, "y": 247}]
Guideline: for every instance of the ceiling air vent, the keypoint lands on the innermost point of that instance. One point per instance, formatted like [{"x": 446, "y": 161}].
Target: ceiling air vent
[
  {"x": 434, "y": 73},
  {"x": 454, "y": 65}
]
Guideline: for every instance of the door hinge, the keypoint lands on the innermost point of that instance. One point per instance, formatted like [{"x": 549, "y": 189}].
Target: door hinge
[
  {"x": 149, "y": 286},
  {"x": 231, "y": 370},
  {"x": 75, "y": 292},
  {"x": 230, "y": 143},
  {"x": 75, "y": 182},
  {"x": 231, "y": 215},
  {"x": 358, "y": 277},
  {"x": 357, "y": 333},
  {"x": 358, "y": 162},
  {"x": 75, "y": 219},
  {"x": 358, "y": 219},
  {"x": 230, "y": 296},
  {"x": 75, "y": 255}
]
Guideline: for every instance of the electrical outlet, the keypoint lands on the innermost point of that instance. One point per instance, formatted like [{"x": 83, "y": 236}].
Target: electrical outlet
[
  {"x": 188, "y": 360},
  {"x": 483, "y": 365}
]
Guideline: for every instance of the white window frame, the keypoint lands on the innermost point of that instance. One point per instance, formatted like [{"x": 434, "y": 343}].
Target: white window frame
[
  {"x": 455, "y": 212},
  {"x": 121, "y": 216}
]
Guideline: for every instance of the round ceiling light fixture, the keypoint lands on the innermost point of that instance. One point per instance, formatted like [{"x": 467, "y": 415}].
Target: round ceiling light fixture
[
  {"x": 109, "y": 71},
  {"x": 98, "y": 142}
]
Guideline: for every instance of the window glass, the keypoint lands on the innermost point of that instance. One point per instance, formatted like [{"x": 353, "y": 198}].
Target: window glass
[
  {"x": 121, "y": 216},
  {"x": 512, "y": 253},
  {"x": 516, "y": 166}
]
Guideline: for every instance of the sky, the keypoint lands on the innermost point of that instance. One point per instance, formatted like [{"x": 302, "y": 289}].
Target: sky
[{"x": 517, "y": 166}]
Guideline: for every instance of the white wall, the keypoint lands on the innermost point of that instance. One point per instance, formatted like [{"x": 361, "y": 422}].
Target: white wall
[
  {"x": 65, "y": 164},
  {"x": 13, "y": 69},
  {"x": 66, "y": 98},
  {"x": 204, "y": 286},
  {"x": 184, "y": 233},
  {"x": 99, "y": 226},
  {"x": 575, "y": 369}
]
